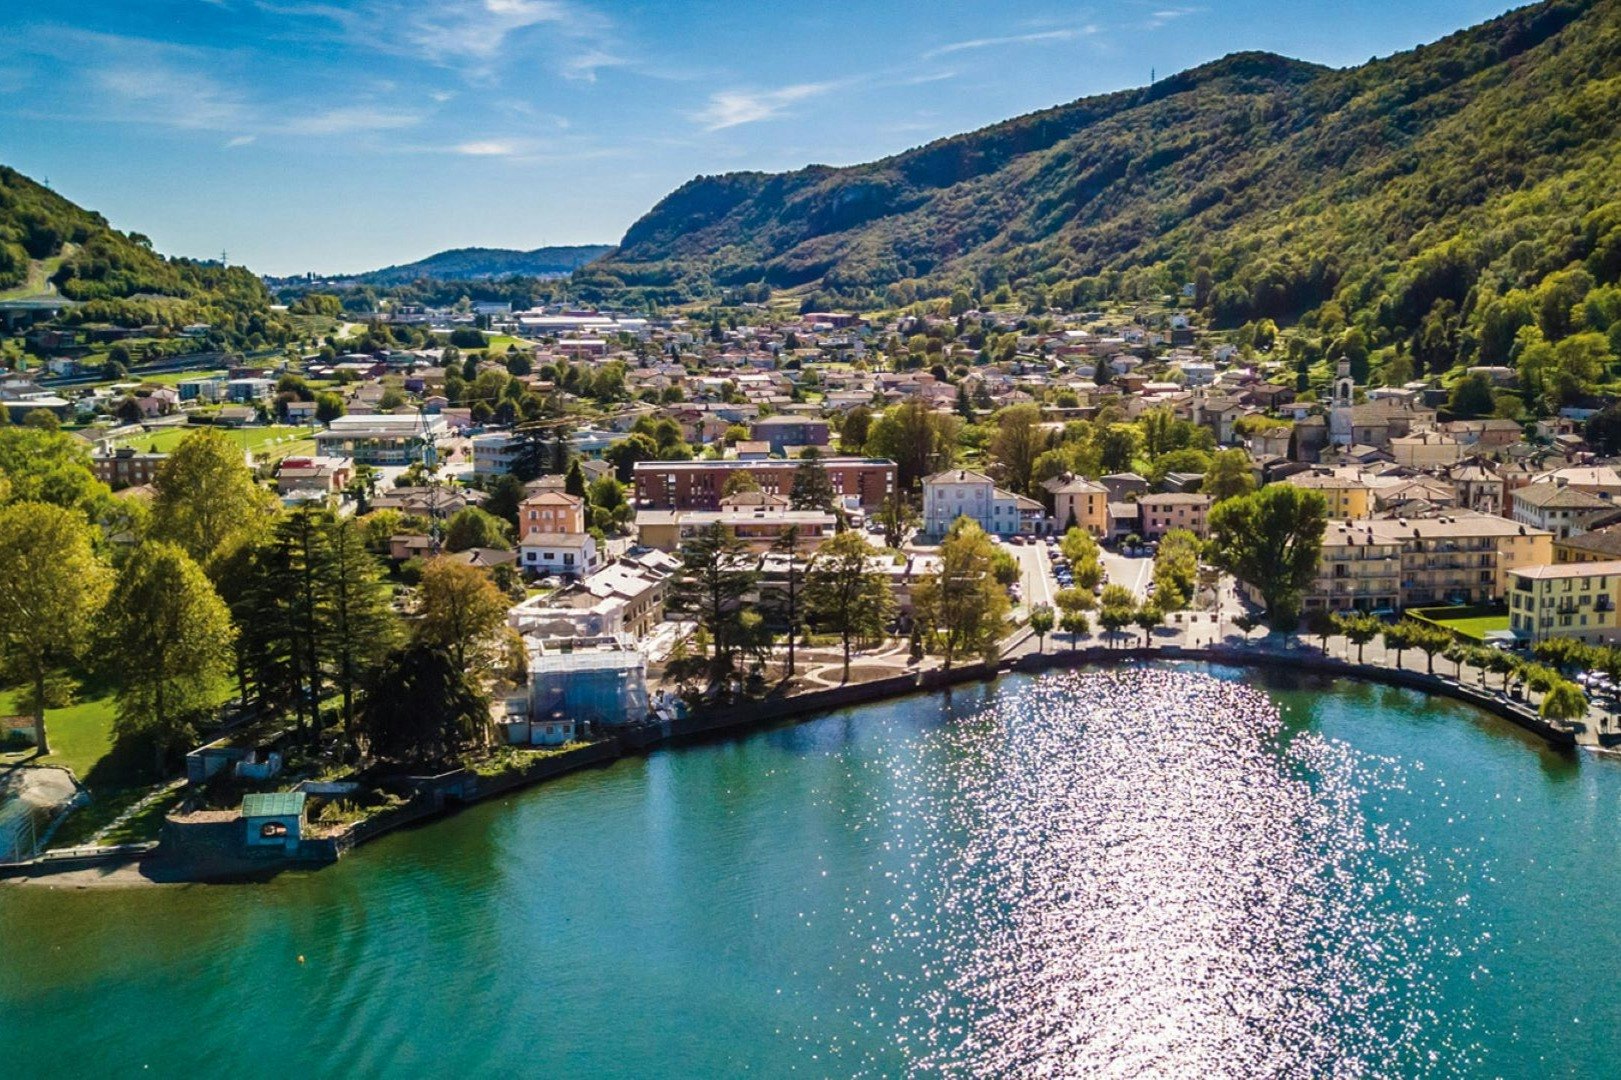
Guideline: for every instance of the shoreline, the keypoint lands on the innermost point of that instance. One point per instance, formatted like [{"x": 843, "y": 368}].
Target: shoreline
[{"x": 461, "y": 789}]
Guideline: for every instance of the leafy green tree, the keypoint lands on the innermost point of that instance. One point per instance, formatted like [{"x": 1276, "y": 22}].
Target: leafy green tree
[
  {"x": 1563, "y": 702},
  {"x": 845, "y": 595},
  {"x": 167, "y": 642},
  {"x": 1321, "y": 624},
  {"x": 1075, "y": 623},
  {"x": 421, "y": 705},
  {"x": 50, "y": 467},
  {"x": 472, "y": 527},
  {"x": 1429, "y": 640},
  {"x": 1147, "y": 617},
  {"x": 1016, "y": 443},
  {"x": 788, "y": 599},
  {"x": 205, "y": 493},
  {"x": 51, "y": 588},
  {"x": 919, "y": 440},
  {"x": 1117, "y": 448},
  {"x": 1471, "y": 397},
  {"x": 625, "y": 453},
  {"x": 1359, "y": 629},
  {"x": 1271, "y": 539},
  {"x": 1398, "y": 637},
  {"x": 962, "y": 607},
  {"x": 739, "y": 482},
  {"x": 505, "y": 494},
  {"x": 1041, "y": 622},
  {"x": 329, "y": 406},
  {"x": 717, "y": 571},
  {"x": 897, "y": 516},
  {"x": 460, "y": 611},
  {"x": 1229, "y": 475},
  {"x": 1176, "y": 569}
]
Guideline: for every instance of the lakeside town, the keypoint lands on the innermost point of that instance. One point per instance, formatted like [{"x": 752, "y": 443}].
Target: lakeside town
[{"x": 260, "y": 599}]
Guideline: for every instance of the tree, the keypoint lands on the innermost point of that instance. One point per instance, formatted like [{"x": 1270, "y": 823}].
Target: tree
[
  {"x": 1271, "y": 539},
  {"x": 961, "y": 606},
  {"x": 505, "y": 494},
  {"x": 1398, "y": 636},
  {"x": 1041, "y": 621},
  {"x": 49, "y": 467},
  {"x": 167, "y": 641},
  {"x": 717, "y": 571},
  {"x": 739, "y": 482},
  {"x": 359, "y": 625},
  {"x": 1471, "y": 397},
  {"x": 1147, "y": 617},
  {"x": 896, "y": 516},
  {"x": 205, "y": 493},
  {"x": 919, "y": 440},
  {"x": 1320, "y": 624},
  {"x": 1229, "y": 475},
  {"x": 1603, "y": 430},
  {"x": 460, "y": 611},
  {"x": 1017, "y": 443},
  {"x": 472, "y": 527},
  {"x": 1563, "y": 702},
  {"x": 628, "y": 451},
  {"x": 854, "y": 430},
  {"x": 362, "y": 487},
  {"x": 845, "y": 595},
  {"x": 1075, "y": 623},
  {"x": 329, "y": 406},
  {"x": 51, "y": 587},
  {"x": 1358, "y": 629},
  {"x": 1504, "y": 664},
  {"x": 812, "y": 488},
  {"x": 574, "y": 480},
  {"x": 1117, "y": 447},
  {"x": 1176, "y": 569},
  {"x": 45, "y": 419},
  {"x": 422, "y": 706},
  {"x": 1429, "y": 639},
  {"x": 787, "y": 545}
]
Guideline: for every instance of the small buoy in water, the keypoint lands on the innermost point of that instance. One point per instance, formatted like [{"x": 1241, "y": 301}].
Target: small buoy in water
[{"x": 300, "y": 958}]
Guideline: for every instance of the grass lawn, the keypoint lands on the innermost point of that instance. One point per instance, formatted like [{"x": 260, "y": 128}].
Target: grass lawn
[
  {"x": 1471, "y": 623},
  {"x": 81, "y": 735},
  {"x": 500, "y": 342},
  {"x": 275, "y": 441}
]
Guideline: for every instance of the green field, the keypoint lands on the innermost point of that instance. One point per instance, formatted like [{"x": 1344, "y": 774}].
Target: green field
[
  {"x": 81, "y": 735},
  {"x": 276, "y": 441}
]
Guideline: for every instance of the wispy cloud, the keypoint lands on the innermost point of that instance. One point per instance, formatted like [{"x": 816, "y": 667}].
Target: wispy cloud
[
  {"x": 1042, "y": 37},
  {"x": 486, "y": 148},
  {"x": 240, "y": 140},
  {"x": 729, "y": 108},
  {"x": 470, "y": 36},
  {"x": 1159, "y": 18}
]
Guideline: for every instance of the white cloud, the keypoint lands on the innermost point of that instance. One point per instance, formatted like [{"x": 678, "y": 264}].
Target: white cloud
[
  {"x": 1038, "y": 38},
  {"x": 729, "y": 108},
  {"x": 349, "y": 120},
  {"x": 240, "y": 140},
  {"x": 486, "y": 148},
  {"x": 1165, "y": 15}
]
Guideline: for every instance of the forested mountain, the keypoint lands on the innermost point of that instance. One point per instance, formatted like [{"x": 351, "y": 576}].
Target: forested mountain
[
  {"x": 476, "y": 264},
  {"x": 49, "y": 245},
  {"x": 1430, "y": 197}
]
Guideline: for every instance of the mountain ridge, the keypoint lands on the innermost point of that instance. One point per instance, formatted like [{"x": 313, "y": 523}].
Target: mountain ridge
[
  {"x": 482, "y": 263},
  {"x": 1290, "y": 184}
]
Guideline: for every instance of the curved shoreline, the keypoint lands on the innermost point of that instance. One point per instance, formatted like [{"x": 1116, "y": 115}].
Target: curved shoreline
[{"x": 123, "y": 870}]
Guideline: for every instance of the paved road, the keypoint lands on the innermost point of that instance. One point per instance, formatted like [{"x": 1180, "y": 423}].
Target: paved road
[{"x": 1038, "y": 583}]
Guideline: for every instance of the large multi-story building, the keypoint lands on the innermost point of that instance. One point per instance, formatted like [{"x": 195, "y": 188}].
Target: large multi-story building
[
  {"x": 381, "y": 439},
  {"x": 699, "y": 485},
  {"x": 759, "y": 527},
  {"x": 1392, "y": 563},
  {"x": 1080, "y": 503},
  {"x": 1563, "y": 510},
  {"x": 1577, "y": 600},
  {"x": 1161, "y": 512},
  {"x": 126, "y": 467},
  {"x": 788, "y": 430},
  {"x": 958, "y": 493},
  {"x": 1348, "y": 496}
]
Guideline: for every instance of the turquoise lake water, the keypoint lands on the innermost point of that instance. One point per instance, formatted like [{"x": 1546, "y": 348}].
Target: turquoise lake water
[{"x": 1156, "y": 871}]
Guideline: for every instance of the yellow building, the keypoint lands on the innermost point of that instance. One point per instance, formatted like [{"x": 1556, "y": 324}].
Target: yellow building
[
  {"x": 1348, "y": 496},
  {"x": 1576, "y": 600},
  {"x": 1393, "y": 563},
  {"x": 1082, "y": 501}
]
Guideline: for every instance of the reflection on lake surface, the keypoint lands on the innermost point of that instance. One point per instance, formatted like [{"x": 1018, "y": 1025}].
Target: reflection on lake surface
[{"x": 1151, "y": 871}]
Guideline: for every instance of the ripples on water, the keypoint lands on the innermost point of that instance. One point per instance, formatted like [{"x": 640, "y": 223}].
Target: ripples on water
[{"x": 1142, "y": 872}]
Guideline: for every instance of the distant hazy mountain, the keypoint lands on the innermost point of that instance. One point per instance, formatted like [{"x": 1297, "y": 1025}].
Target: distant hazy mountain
[
  {"x": 477, "y": 263},
  {"x": 1405, "y": 190}
]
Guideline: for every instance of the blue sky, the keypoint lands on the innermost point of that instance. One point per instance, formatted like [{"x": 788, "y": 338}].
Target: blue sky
[{"x": 339, "y": 135}]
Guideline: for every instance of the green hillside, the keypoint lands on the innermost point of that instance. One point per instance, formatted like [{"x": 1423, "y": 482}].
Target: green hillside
[
  {"x": 50, "y": 245},
  {"x": 476, "y": 263},
  {"x": 1427, "y": 198}
]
